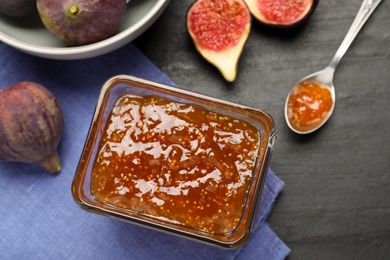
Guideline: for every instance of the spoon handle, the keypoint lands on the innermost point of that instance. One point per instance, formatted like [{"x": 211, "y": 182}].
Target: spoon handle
[{"x": 366, "y": 9}]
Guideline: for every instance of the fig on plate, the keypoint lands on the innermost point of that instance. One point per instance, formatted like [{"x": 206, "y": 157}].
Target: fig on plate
[
  {"x": 282, "y": 13},
  {"x": 219, "y": 30},
  {"x": 31, "y": 125},
  {"x": 81, "y": 22},
  {"x": 18, "y": 8}
]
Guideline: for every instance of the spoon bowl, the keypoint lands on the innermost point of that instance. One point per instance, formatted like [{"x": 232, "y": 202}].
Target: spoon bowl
[
  {"x": 311, "y": 101},
  {"x": 324, "y": 78}
]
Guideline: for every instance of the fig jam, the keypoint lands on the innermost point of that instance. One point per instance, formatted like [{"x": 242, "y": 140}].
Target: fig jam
[
  {"x": 308, "y": 105},
  {"x": 175, "y": 162}
]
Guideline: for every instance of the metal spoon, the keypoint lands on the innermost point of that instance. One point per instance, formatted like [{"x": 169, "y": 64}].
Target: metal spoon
[{"x": 325, "y": 76}]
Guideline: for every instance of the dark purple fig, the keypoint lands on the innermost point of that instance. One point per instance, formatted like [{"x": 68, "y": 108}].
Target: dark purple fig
[
  {"x": 18, "y": 8},
  {"x": 282, "y": 13},
  {"x": 31, "y": 125},
  {"x": 80, "y": 22},
  {"x": 220, "y": 29}
]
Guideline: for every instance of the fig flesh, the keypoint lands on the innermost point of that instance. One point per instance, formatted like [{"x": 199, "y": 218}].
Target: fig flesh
[
  {"x": 18, "y": 8},
  {"x": 31, "y": 125},
  {"x": 219, "y": 30},
  {"x": 282, "y": 13},
  {"x": 81, "y": 22}
]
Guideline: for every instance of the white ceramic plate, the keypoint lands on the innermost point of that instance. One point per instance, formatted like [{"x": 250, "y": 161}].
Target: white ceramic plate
[{"x": 30, "y": 36}]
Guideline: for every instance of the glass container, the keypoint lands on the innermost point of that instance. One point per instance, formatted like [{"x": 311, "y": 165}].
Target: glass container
[{"x": 175, "y": 161}]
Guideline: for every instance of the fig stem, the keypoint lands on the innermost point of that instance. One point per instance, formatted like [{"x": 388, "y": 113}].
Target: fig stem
[
  {"x": 51, "y": 163},
  {"x": 73, "y": 10}
]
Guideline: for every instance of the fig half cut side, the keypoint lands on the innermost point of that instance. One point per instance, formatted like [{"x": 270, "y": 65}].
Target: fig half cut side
[
  {"x": 219, "y": 30},
  {"x": 282, "y": 13}
]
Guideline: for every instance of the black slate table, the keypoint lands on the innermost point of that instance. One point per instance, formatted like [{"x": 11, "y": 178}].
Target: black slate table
[{"x": 336, "y": 202}]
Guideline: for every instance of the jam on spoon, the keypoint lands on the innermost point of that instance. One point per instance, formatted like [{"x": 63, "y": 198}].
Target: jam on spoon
[{"x": 309, "y": 105}]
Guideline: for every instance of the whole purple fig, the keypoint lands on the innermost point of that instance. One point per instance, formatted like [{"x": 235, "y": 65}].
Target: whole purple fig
[
  {"x": 31, "y": 125},
  {"x": 18, "y": 8},
  {"x": 80, "y": 22}
]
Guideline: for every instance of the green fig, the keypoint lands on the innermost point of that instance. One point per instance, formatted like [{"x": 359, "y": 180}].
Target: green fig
[{"x": 31, "y": 125}]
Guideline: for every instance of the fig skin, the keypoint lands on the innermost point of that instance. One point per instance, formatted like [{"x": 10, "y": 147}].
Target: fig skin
[
  {"x": 31, "y": 125},
  {"x": 18, "y": 8},
  {"x": 226, "y": 49},
  {"x": 81, "y": 22},
  {"x": 252, "y": 4}
]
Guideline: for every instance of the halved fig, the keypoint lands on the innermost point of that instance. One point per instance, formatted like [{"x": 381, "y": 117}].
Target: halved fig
[
  {"x": 220, "y": 29},
  {"x": 282, "y": 13}
]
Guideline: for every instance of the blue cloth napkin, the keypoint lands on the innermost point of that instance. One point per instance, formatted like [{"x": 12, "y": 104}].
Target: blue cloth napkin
[{"x": 38, "y": 216}]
